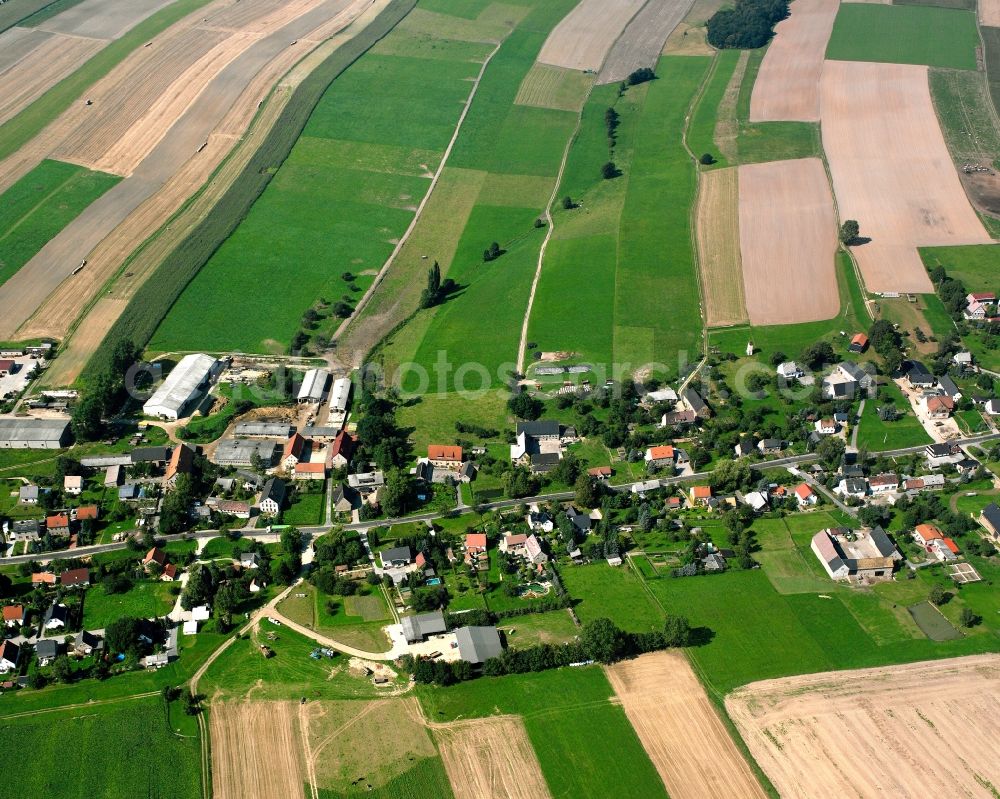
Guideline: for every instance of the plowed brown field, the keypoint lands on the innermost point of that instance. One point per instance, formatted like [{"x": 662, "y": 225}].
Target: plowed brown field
[
  {"x": 788, "y": 238},
  {"x": 912, "y": 731},
  {"x": 680, "y": 730},
  {"x": 788, "y": 83},
  {"x": 892, "y": 171}
]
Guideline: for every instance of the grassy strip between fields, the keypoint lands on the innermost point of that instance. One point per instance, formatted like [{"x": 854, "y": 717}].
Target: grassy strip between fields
[
  {"x": 16, "y": 132},
  {"x": 153, "y": 300},
  {"x": 41, "y": 204}
]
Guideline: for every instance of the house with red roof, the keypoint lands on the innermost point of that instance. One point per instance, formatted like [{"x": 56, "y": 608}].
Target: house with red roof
[
  {"x": 600, "y": 472},
  {"x": 700, "y": 495},
  {"x": 475, "y": 551},
  {"x": 341, "y": 450},
  {"x": 805, "y": 495},
  {"x": 309, "y": 471},
  {"x": 57, "y": 524},
  {"x": 13, "y": 615},
  {"x": 75, "y": 577},
  {"x": 86, "y": 513},
  {"x": 660, "y": 456},
  {"x": 292, "y": 452},
  {"x": 859, "y": 342},
  {"x": 445, "y": 456},
  {"x": 938, "y": 406}
]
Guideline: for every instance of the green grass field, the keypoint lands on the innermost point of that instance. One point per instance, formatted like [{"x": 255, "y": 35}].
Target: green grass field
[
  {"x": 306, "y": 509},
  {"x": 41, "y": 204},
  {"x": 938, "y": 37},
  {"x": 615, "y": 593},
  {"x": 561, "y": 710},
  {"x": 976, "y": 265},
  {"x": 290, "y": 674},
  {"x": 77, "y": 753},
  {"x": 903, "y": 432},
  {"x": 701, "y": 130},
  {"x": 339, "y": 202},
  {"x": 146, "y": 600},
  {"x": 656, "y": 258}
]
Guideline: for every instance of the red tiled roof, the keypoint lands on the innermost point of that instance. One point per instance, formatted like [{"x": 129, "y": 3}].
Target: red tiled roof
[
  {"x": 444, "y": 452},
  {"x": 600, "y": 471},
  {"x": 475, "y": 541},
  {"x": 937, "y": 403},
  {"x": 928, "y": 532},
  {"x": 170, "y": 570},
  {"x": 85, "y": 512},
  {"x": 156, "y": 555},
  {"x": 701, "y": 492},
  {"x": 43, "y": 577},
  {"x": 13, "y": 613},
  {"x": 59, "y": 520},
  {"x": 293, "y": 446},
  {"x": 342, "y": 444},
  {"x": 75, "y": 577},
  {"x": 310, "y": 468},
  {"x": 665, "y": 452},
  {"x": 803, "y": 491},
  {"x": 6, "y": 365},
  {"x": 952, "y": 545},
  {"x": 860, "y": 339},
  {"x": 181, "y": 460}
]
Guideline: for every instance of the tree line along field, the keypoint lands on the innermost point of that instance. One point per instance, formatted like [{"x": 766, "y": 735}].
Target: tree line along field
[
  {"x": 346, "y": 192},
  {"x": 41, "y": 204},
  {"x": 938, "y": 37},
  {"x": 120, "y": 750}
]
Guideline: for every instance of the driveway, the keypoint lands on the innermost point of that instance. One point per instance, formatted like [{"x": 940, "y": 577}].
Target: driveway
[{"x": 939, "y": 430}]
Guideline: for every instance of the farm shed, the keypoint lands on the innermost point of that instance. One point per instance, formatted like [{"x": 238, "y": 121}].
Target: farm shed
[
  {"x": 23, "y": 433},
  {"x": 240, "y": 452},
  {"x": 340, "y": 395},
  {"x": 314, "y": 385},
  {"x": 478, "y": 644},
  {"x": 182, "y": 387}
]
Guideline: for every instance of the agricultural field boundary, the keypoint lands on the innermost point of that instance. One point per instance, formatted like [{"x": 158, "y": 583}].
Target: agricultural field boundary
[
  {"x": 550, "y": 226},
  {"x": 151, "y": 302},
  {"x": 423, "y": 202}
]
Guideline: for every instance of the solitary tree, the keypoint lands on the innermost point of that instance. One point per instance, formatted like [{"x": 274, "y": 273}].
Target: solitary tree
[
  {"x": 849, "y": 232},
  {"x": 707, "y": 159},
  {"x": 609, "y": 170},
  {"x": 938, "y": 595},
  {"x": 567, "y": 202}
]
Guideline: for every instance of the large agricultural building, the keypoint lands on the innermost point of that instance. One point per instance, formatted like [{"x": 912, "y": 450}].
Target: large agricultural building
[
  {"x": 25, "y": 433},
  {"x": 263, "y": 430},
  {"x": 863, "y": 556},
  {"x": 313, "y": 386},
  {"x": 182, "y": 386},
  {"x": 240, "y": 452},
  {"x": 340, "y": 396}
]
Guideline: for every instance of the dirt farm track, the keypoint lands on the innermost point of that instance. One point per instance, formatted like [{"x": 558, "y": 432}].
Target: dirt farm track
[
  {"x": 680, "y": 730},
  {"x": 918, "y": 730}
]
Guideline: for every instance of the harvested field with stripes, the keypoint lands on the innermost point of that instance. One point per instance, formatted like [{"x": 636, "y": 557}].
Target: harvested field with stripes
[
  {"x": 490, "y": 758},
  {"x": 718, "y": 234},
  {"x": 922, "y": 729},
  {"x": 680, "y": 729},
  {"x": 546, "y": 86},
  {"x": 585, "y": 35},
  {"x": 643, "y": 39}
]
